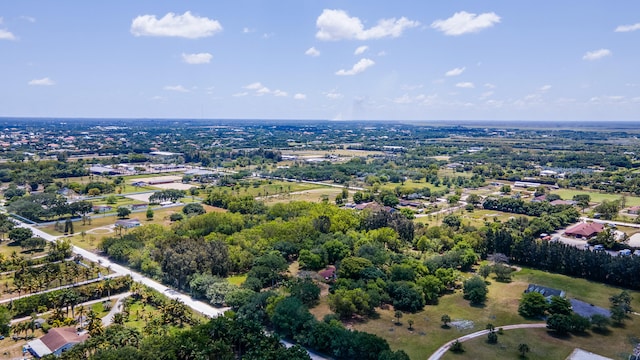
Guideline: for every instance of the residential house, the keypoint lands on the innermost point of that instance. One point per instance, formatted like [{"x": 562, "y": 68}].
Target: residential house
[
  {"x": 56, "y": 341},
  {"x": 545, "y": 291},
  {"x": 584, "y": 230},
  {"x": 128, "y": 223}
]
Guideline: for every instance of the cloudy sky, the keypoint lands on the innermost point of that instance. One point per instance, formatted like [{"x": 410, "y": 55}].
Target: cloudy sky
[{"x": 293, "y": 59}]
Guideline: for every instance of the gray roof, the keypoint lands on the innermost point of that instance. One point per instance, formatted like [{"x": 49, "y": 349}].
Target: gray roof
[
  {"x": 38, "y": 348},
  {"x": 545, "y": 291}
]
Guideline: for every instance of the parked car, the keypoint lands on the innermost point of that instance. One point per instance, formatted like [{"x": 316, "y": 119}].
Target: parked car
[
  {"x": 598, "y": 248},
  {"x": 624, "y": 252}
]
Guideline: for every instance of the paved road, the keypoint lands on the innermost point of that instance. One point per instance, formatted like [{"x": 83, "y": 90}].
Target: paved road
[
  {"x": 198, "y": 306},
  {"x": 108, "y": 319},
  {"x": 202, "y": 308},
  {"x": 58, "y": 288},
  {"x": 444, "y": 348},
  {"x": 90, "y": 302}
]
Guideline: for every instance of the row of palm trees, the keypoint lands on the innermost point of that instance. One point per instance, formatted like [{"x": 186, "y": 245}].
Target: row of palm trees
[{"x": 28, "y": 280}]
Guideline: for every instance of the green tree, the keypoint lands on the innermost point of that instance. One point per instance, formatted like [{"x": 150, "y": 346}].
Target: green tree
[
  {"x": 123, "y": 212},
  {"x": 475, "y": 290},
  {"x": 5, "y": 321},
  {"x": 600, "y": 322},
  {"x": 398, "y": 316},
  {"x": 523, "y": 349},
  {"x": 19, "y": 234},
  {"x": 457, "y": 347},
  {"x": 561, "y": 323},
  {"x": 559, "y": 305},
  {"x": 446, "y": 319},
  {"x": 345, "y": 303},
  {"x": 484, "y": 271},
  {"x": 149, "y": 214},
  {"x": 532, "y": 305},
  {"x": 305, "y": 290},
  {"x": 193, "y": 209}
]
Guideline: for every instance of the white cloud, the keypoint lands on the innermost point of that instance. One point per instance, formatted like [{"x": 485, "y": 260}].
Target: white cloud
[
  {"x": 627, "y": 28},
  {"x": 260, "y": 90},
  {"x": 6, "y": 34},
  {"x": 312, "y": 51},
  {"x": 486, "y": 94},
  {"x": 42, "y": 82},
  {"x": 596, "y": 54},
  {"x": 254, "y": 86},
  {"x": 360, "y": 50},
  {"x": 545, "y": 88},
  {"x": 300, "y": 96},
  {"x": 359, "y": 67},
  {"x": 178, "y": 88},
  {"x": 333, "y": 94},
  {"x": 241, "y": 94},
  {"x": 455, "y": 72},
  {"x": 465, "y": 85},
  {"x": 172, "y": 25},
  {"x": 246, "y": 30},
  {"x": 195, "y": 59},
  {"x": 489, "y": 86},
  {"x": 338, "y": 25},
  {"x": 382, "y": 53},
  {"x": 464, "y": 22},
  {"x": 407, "y": 87},
  {"x": 404, "y": 99}
]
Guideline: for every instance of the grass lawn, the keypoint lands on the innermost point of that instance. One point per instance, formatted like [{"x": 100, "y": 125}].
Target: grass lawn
[
  {"x": 272, "y": 187},
  {"x": 618, "y": 343},
  {"x": 596, "y": 197},
  {"x": 501, "y": 309},
  {"x": 311, "y": 195},
  {"x": 7, "y": 250},
  {"x": 542, "y": 346},
  {"x": 100, "y": 227},
  {"x": 237, "y": 279},
  {"x": 412, "y": 185}
]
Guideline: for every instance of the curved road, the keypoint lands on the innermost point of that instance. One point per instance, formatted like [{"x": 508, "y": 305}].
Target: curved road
[{"x": 444, "y": 348}]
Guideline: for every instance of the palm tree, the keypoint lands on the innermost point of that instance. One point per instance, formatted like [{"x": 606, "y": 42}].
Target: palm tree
[
  {"x": 94, "y": 324},
  {"x": 523, "y": 349},
  {"x": 108, "y": 285},
  {"x": 81, "y": 312}
]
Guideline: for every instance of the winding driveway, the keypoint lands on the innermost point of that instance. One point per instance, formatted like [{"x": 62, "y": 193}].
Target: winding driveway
[{"x": 444, "y": 348}]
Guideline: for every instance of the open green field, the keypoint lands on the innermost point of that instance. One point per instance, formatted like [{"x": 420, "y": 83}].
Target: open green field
[
  {"x": 237, "y": 279},
  {"x": 597, "y": 197},
  {"x": 273, "y": 187},
  {"x": 412, "y": 185},
  {"x": 100, "y": 227},
  {"x": 476, "y": 218},
  {"x": 311, "y": 195},
  {"x": 501, "y": 309}
]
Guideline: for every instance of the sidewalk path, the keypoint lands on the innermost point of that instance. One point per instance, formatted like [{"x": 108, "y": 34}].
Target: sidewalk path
[{"x": 444, "y": 348}]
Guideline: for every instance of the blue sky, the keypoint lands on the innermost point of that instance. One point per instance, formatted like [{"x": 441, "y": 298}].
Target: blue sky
[{"x": 346, "y": 60}]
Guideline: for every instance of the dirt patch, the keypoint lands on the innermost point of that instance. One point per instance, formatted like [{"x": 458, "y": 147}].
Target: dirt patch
[
  {"x": 462, "y": 324},
  {"x": 100, "y": 230},
  {"x": 140, "y": 197}
]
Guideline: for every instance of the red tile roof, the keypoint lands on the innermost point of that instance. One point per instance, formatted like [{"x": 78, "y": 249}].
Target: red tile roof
[
  {"x": 585, "y": 229},
  {"x": 58, "y": 337}
]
